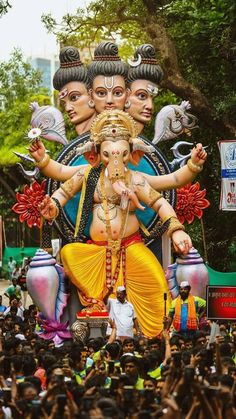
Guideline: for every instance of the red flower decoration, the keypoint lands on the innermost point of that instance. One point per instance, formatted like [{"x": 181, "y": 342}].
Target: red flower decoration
[
  {"x": 28, "y": 202},
  {"x": 190, "y": 202}
]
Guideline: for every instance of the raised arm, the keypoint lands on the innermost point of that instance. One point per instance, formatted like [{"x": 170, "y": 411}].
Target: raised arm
[
  {"x": 182, "y": 176},
  {"x": 49, "y": 207},
  {"x": 181, "y": 241},
  {"x": 48, "y": 166}
]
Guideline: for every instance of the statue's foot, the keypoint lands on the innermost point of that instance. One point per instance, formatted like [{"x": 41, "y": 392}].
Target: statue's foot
[{"x": 96, "y": 307}]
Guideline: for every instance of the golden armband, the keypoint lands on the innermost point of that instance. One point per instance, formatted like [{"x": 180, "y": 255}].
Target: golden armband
[
  {"x": 41, "y": 164},
  {"x": 174, "y": 225},
  {"x": 153, "y": 196},
  {"x": 194, "y": 168},
  {"x": 67, "y": 188}
]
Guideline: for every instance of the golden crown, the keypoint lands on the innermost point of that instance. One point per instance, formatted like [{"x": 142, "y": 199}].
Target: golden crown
[{"x": 114, "y": 125}]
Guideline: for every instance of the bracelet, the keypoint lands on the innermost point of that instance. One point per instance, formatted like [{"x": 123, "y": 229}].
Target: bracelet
[
  {"x": 154, "y": 196},
  {"x": 194, "y": 168},
  {"x": 43, "y": 162},
  {"x": 58, "y": 208},
  {"x": 167, "y": 218},
  {"x": 174, "y": 225},
  {"x": 50, "y": 221},
  {"x": 67, "y": 188}
]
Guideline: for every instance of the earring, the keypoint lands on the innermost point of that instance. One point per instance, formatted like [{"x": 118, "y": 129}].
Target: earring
[
  {"x": 91, "y": 104},
  {"x": 127, "y": 104}
]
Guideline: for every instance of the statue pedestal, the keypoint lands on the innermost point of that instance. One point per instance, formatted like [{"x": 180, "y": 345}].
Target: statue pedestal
[{"x": 90, "y": 325}]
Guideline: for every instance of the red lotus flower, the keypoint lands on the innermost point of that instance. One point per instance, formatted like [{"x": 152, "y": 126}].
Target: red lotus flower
[
  {"x": 190, "y": 202},
  {"x": 28, "y": 202}
]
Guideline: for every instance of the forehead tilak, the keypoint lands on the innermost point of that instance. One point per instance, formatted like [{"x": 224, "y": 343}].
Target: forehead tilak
[{"x": 63, "y": 93}]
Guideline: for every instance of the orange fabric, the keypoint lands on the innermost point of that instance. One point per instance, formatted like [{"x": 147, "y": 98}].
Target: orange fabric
[{"x": 192, "y": 315}]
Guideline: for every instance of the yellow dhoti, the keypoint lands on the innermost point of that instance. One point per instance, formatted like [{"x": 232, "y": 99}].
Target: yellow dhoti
[{"x": 85, "y": 264}]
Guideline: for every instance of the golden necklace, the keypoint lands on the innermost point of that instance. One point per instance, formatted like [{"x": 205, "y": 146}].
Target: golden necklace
[{"x": 113, "y": 245}]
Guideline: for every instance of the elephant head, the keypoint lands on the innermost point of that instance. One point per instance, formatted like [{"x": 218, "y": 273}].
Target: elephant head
[{"x": 114, "y": 143}]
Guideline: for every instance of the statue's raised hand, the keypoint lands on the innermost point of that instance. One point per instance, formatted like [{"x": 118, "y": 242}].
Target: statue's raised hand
[
  {"x": 198, "y": 155},
  {"x": 37, "y": 150},
  {"x": 48, "y": 208},
  {"x": 181, "y": 241}
]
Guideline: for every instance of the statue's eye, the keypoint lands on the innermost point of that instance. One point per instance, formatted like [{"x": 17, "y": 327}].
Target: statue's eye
[
  {"x": 178, "y": 115},
  {"x": 118, "y": 92},
  {"x": 142, "y": 96},
  {"x": 101, "y": 93},
  {"x": 74, "y": 97}
]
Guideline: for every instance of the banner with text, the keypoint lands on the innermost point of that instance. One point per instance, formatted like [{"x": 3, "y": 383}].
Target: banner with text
[
  {"x": 221, "y": 302},
  {"x": 228, "y": 175}
]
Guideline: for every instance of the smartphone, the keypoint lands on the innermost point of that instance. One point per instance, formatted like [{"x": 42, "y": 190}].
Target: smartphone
[
  {"x": 128, "y": 392},
  {"x": 114, "y": 385},
  {"x": 177, "y": 359},
  {"x": 111, "y": 367},
  {"x": 61, "y": 402},
  {"x": 149, "y": 396},
  {"x": 88, "y": 402},
  {"x": 6, "y": 394},
  {"x": 36, "y": 408}
]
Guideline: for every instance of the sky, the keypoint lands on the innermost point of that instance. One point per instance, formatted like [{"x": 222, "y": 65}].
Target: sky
[{"x": 22, "y": 28}]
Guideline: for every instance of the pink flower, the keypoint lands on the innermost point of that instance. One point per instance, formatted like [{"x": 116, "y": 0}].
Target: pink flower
[
  {"x": 28, "y": 202},
  {"x": 190, "y": 202}
]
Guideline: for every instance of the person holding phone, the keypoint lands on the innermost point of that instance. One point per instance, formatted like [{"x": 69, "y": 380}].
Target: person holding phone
[{"x": 122, "y": 312}]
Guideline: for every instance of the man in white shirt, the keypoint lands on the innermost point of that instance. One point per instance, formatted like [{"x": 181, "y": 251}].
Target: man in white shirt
[{"x": 122, "y": 312}]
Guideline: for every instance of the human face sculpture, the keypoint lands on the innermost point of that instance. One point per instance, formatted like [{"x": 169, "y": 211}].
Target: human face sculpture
[
  {"x": 142, "y": 93},
  {"x": 75, "y": 98},
  {"x": 109, "y": 93}
]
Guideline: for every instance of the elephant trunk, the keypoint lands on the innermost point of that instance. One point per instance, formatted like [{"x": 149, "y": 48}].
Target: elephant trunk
[{"x": 116, "y": 168}]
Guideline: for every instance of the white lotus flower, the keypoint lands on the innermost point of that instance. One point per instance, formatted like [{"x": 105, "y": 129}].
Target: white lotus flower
[{"x": 34, "y": 133}]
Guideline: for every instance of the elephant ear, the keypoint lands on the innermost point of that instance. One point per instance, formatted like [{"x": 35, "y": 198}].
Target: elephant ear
[
  {"x": 90, "y": 153},
  {"x": 135, "y": 157},
  {"x": 139, "y": 148}
]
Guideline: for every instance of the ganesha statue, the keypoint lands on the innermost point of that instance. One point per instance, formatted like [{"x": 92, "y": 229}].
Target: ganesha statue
[{"x": 112, "y": 192}]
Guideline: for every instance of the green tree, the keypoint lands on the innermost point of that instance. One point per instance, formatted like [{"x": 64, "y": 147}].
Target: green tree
[
  {"x": 4, "y": 7},
  {"x": 19, "y": 86},
  {"x": 196, "y": 45}
]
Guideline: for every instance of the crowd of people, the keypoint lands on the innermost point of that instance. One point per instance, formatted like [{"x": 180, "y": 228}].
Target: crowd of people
[
  {"x": 173, "y": 375},
  {"x": 16, "y": 275}
]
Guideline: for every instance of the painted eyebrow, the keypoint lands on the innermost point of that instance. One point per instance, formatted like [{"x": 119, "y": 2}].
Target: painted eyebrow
[
  {"x": 105, "y": 88},
  {"x": 74, "y": 91},
  {"x": 140, "y": 90}
]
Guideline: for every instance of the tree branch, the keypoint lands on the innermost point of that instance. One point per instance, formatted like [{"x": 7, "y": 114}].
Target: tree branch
[{"x": 174, "y": 81}]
